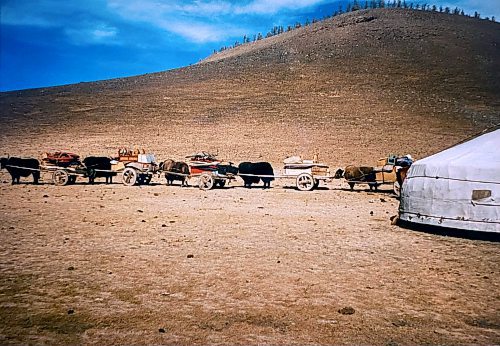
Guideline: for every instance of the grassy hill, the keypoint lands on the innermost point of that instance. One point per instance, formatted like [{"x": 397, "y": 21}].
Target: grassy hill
[{"x": 354, "y": 88}]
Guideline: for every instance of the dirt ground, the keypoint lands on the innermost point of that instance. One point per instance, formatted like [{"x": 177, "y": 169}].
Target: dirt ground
[{"x": 109, "y": 264}]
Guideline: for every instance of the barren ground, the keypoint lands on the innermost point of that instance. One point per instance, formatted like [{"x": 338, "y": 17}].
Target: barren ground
[{"x": 110, "y": 264}]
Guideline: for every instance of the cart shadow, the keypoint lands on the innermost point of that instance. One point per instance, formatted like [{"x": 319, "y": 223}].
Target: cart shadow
[
  {"x": 24, "y": 183},
  {"x": 254, "y": 187},
  {"x": 319, "y": 188},
  {"x": 377, "y": 192}
]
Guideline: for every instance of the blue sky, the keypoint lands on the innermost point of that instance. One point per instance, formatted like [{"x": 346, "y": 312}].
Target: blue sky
[{"x": 55, "y": 42}]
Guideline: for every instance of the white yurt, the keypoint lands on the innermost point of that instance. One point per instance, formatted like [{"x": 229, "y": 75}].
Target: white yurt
[{"x": 458, "y": 188}]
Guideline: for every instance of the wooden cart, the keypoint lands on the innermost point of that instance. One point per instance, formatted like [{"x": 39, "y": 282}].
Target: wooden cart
[
  {"x": 137, "y": 167},
  {"x": 385, "y": 173},
  {"x": 64, "y": 166},
  {"x": 210, "y": 171},
  {"x": 307, "y": 174}
]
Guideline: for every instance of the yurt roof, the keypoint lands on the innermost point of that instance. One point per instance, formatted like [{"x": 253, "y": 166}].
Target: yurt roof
[{"x": 477, "y": 159}]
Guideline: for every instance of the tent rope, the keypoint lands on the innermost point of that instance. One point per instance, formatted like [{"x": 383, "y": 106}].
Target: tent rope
[
  {"x": 448, "y": 218},
  {"x": 455, "y": 179}
]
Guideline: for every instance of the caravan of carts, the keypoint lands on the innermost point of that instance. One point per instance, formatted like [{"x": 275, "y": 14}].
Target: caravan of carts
[{"x": 137, "y": 167}]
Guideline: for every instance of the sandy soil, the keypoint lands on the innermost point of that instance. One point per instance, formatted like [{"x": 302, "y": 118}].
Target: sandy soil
[{"x": 110, "y": 264}]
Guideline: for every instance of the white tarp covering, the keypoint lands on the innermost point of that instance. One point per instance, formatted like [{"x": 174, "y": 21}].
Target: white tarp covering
[{"x": 456, "y": 188}]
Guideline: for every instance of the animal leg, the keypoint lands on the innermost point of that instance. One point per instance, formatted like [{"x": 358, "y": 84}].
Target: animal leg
[
  {"x": 15, "y": 179},
  {"x": 36, "y": 177}
]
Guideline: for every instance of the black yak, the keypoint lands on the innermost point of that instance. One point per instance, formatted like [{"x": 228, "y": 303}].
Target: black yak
[
  {"x": 18, "y": 167},
  {"x": 99, "y": 167},
  {"x": 256, "y": 171}
]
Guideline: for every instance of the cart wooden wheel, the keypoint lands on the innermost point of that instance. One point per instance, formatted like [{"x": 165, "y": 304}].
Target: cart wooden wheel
[
  {"x": 397, "y": 189},
  {"x": 305, "y": 182},
  {"x": 60, "y": 177},
  {"x": 129, "y": 176},
  {"x": 206, "y": 181}
]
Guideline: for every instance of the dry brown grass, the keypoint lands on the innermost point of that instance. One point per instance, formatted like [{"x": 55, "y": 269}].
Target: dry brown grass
[{"x": 234, "y": 266}]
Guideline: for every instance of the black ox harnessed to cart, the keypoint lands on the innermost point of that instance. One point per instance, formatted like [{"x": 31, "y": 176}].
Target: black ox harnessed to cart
[
  {"x": 21, "y": 167},
  {"x": 253, "y": 172},
  {"x": 99, "y": 167}
]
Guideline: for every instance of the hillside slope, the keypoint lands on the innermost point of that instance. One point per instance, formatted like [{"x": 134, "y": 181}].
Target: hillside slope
[{"x": 354, "y": 88}]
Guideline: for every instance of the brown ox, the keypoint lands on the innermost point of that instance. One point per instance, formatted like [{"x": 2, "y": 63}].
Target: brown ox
[
  {"x": 355, "y": 174},
  {"x": 175, "y": 170}
]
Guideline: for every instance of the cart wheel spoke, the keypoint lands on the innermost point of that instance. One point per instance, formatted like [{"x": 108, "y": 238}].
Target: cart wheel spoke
[
  {"x": 60, "y": 177},
  {"x": 206, "y": 181},
  {"x": 305, "y": 182},
  {"x": 129, "y": 176}
]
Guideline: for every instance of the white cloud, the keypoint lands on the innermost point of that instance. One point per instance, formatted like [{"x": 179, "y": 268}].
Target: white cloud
[
  {"x": 197, "y": 32},
  {"x": 92, "y": 34},
  {"x": 201, "y": 21},
  {"x": 274, "y": 6},
  {"x": 104, "y": 32},
  {"x": 206, "y": 8},
  {"x": 191, "y": 21},
  {"x": 82, "y": 23}
]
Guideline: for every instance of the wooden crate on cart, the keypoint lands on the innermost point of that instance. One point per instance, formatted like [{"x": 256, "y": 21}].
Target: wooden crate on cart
[{"x": 136, "y": 166}]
